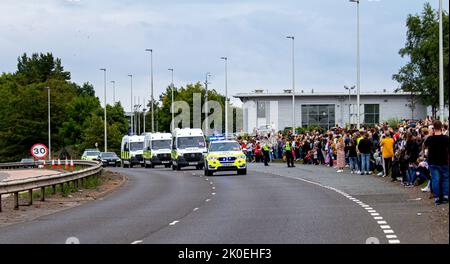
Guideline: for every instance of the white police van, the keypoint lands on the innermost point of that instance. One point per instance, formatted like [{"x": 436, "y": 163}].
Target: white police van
[{"x": 188, "y": 148}]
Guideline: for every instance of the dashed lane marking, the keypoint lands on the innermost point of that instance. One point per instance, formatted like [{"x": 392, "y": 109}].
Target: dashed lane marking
[
  {"x": 174, "y": 222},
  {"x": 195, "y": 209},
  {"x": 390, "y": 234},
  {"x": 136, "y": 242}
]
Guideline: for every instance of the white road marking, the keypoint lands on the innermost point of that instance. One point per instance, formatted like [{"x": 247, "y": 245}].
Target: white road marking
[
  {"x": 174, "y": 222},
  {"x": 369, "y": 209},
  {"x": 207, "y": 200},
  {"x": 213, "y": 188},
  {"x": 213, "y": 193},
  {"x": 136, "y": 242},
  {"x": 195, "y": 209}
]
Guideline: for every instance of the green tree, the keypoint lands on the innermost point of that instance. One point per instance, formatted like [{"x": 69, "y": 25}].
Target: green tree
[{"x": 420, "y": 76}]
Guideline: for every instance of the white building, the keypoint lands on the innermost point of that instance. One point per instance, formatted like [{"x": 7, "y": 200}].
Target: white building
[{"x": 324, "y": 109}]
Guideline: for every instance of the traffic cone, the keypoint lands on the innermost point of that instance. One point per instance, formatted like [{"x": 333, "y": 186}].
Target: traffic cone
[
  {"x": 66, "y": 164},
  {"x": 59, "y": 163},
  {"x": 72, "y": 166},
  {"x": 53, "y": 163}
]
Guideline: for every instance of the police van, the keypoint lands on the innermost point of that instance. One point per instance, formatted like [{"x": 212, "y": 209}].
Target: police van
[
  {"x": 188, "y": 148},
  {"x": 131, "y": 151},
  {"x": 157, "y": 149},
  {"x": 225, "y": 155}
]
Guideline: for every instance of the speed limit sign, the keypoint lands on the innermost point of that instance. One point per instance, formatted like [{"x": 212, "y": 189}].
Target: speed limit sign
[{"x": 39, "y": 151}]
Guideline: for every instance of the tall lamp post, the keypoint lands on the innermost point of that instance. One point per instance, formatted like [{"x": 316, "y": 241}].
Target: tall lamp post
[
  {"x": 151, "y": 85},
  {"x": 206, "y": 103},
  {"x": 114, "y": 91},
  {"x": 172, "y": 109},
  {"x": 441, "y": 66},
  {"x": 358, "y": 84},
  {"x": 349, "y": 103},
  {"x": 49, "y": 128},
  {"x": 226, "y": 96},
  {"x": 131, "y": 105},
  {"x": 104, "y": 100},
  {"x": 293, "y": 83}
]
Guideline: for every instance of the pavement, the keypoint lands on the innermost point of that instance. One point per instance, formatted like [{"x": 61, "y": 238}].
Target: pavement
[
  {"x": 11, "y": 175},
  {"x": 275, "y": 204}
]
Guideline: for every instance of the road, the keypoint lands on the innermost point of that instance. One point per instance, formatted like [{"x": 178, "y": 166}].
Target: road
[{"x": 306, "y": 204}]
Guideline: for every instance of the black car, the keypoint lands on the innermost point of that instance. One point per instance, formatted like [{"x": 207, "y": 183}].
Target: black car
[{"x": 109, "y": 159}]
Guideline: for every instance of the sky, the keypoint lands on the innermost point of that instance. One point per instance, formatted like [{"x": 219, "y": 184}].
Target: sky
[{"x": 190, "y": 36}]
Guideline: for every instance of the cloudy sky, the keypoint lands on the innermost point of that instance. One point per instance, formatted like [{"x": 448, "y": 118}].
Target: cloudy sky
[{"x": 191, "y": 36}]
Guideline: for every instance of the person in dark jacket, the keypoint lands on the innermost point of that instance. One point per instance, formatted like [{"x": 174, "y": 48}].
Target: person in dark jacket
[
  {"x": 365, "y": 148},
  {"x": 412, "y": 151},
  {"x": 350, "y": 150}
]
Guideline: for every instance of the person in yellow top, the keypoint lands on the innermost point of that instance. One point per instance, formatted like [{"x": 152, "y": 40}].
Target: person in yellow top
[{"x": 387, "y": 152}]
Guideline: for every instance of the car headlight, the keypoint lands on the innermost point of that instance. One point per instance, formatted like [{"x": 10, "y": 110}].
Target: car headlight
[{"x": 104, "y": 160}]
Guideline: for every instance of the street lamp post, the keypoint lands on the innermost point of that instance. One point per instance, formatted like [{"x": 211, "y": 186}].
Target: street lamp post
[
  {"x": 49, "y": 128},
  {"x": 172, "y": 109},
  {"x": 226, "y": 96},
  {"x": 104, "y": 100},
  {"x": 206, "y": 103},
  {"x": 151, "y": 84},
  {"x": 293, "y": 83},
  {"x": 349, "y": 103},
  {"x": 114, "y": 91},
  {"x": 131, "y": 105},
  {"x": 358, "y": 84},
  {"x": 441, "y": 66}
]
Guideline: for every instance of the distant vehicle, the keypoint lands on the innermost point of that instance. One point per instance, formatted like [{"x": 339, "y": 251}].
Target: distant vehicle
[
  {"x": 27, "y": 160},
  {"x": 188, "y": 148},
  {"x": 131, "y": 151},
  {"x": 225, "y": 155},
  {"x": 109, "y": 159},
  {"x": 90, "y": 154},
  {"x": 157, "y": 149}
]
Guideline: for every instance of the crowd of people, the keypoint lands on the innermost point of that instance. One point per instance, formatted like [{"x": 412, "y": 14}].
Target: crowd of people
[{"x": 413, "y": 152}]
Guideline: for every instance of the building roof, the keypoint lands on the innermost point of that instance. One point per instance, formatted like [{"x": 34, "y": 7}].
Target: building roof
[{"x": 315, "y": 94}]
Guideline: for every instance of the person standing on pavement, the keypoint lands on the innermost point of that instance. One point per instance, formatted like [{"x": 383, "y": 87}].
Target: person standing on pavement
[
  {"x": 365, "y": 148},
  {"x": 340, "y": 153},
  {"x": 387, "y": 152},
  {"x": 438, "y": 159},
  {"x": 266, "y": 153},
  {"x": 288, "y": 151}
]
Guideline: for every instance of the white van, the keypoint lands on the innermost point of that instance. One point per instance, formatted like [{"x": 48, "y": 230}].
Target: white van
[
  {"x": 188, "y": 148},
  {"x": 157, "y": 149},
  {"x": 131, "y": 151}
]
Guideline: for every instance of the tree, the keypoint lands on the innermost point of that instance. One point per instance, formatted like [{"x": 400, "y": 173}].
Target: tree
[{"x": 420, "y": 76}]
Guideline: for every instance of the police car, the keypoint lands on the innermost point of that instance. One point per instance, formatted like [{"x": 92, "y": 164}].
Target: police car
[{"x": 225, "y": 155}]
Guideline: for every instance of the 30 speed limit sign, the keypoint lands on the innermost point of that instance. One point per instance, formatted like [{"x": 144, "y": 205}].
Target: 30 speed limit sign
[{"x": 39, "y": 151}]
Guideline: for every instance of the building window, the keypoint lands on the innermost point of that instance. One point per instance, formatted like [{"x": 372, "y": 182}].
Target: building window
[
  {"x": 371, "y": 114},
  {"x": 318, "y": 115},
  {"x": 261, "y": 109}
]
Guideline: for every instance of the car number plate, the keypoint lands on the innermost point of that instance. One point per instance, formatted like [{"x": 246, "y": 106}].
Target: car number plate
[
  {"x": 165, "y": 161},
  {"x": 227, "y": 164},
  {"x": 193, "y": 163},
  {"x": 112, "y": 162}
]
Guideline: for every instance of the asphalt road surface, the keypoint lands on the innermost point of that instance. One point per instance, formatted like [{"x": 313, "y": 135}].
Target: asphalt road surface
[{"x": 306, "y": 204}]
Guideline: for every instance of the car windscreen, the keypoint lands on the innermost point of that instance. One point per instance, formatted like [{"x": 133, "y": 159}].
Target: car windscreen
[
  {"x": 191, "y": 142},
  {"x": 161, "y": 144},
  {"x": 225, "y": 146},
  {"x": 90, "y": 153},
  {"x": 136, "y": 146},
  {"x": 108, "y": 155}
]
